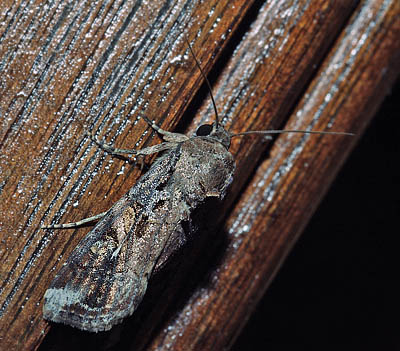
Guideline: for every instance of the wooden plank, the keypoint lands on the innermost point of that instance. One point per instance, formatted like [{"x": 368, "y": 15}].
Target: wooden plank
[
  {"x": 66, "y": 68},
  {"x": 100, "y": 66},
  {"x": 286, "y": 188}
]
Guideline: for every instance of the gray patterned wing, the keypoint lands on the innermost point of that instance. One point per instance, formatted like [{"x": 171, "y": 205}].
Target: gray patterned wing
[{"x": 106, "y": 275}]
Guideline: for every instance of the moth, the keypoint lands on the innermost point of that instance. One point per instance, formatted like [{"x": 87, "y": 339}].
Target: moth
[{"x": 106, "y": 276}]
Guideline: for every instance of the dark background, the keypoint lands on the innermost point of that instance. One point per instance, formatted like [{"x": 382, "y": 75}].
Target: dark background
[{"x": 338, "y": 287}]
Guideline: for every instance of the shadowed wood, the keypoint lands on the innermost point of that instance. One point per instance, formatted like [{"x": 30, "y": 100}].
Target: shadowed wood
[{"x": 99, "y": 66}]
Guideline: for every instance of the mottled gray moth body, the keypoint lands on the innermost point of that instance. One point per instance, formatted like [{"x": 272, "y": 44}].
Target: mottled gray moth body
[{"x": 106, "y": 275}]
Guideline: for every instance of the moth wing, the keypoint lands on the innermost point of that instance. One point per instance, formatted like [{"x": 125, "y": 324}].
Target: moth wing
[{"x": 106, "y": 275}]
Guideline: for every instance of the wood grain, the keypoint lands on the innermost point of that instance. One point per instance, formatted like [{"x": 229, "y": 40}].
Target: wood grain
[{"x": 99, "y": 66}]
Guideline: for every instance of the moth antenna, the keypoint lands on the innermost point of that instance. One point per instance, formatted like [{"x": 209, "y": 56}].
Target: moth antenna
[
  {"x": 278, "y": 131},
  {"x": 207, "y": 82}
]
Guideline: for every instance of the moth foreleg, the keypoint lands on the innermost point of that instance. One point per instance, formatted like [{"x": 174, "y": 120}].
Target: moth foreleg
[
  {"x": 168, "y": 136},
  {"x": 75, "y": 224},
  {"x": 146, "y": 151}
]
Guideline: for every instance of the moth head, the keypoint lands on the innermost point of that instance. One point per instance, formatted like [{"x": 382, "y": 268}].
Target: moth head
[{"x": 215, "y": 131}]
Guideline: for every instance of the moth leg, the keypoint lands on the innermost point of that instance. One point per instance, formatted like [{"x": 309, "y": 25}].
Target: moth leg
[
  {"x": 75, "y": 224},
  {"x": 168, "y": 136},
  {"x": 146, "y": 151}
]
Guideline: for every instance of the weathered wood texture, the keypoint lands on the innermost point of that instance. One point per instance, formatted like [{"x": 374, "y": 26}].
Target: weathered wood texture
[{"x": 69, "y": 67}]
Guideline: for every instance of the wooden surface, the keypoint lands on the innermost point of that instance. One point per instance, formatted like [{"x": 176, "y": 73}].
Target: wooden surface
[{"x": 99, "y": 66}]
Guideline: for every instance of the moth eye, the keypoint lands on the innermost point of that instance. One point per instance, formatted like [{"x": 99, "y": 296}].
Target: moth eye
[{"x": 204, "y": 130}]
